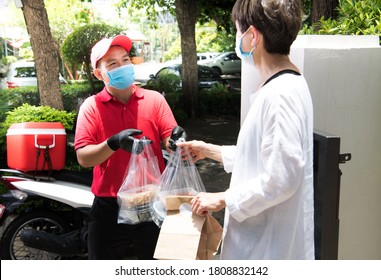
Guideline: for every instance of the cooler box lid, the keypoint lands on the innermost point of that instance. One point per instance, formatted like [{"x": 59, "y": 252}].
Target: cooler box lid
[{"x": 33, "y": 128}]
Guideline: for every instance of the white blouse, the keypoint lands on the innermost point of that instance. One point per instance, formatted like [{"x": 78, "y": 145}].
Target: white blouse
[{"x": 269, "y": 212}]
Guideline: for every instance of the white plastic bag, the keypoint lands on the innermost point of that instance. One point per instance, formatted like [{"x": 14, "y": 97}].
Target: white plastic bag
[
  {"x": 139, "y": 186},
  {"x": 180, "y": 178}
]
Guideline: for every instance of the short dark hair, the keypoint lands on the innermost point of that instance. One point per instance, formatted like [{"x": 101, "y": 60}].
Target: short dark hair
[{"x": 278, "y": 20}]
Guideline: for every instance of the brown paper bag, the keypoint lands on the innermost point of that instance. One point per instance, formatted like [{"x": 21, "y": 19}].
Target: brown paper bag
[{"x": 185, "y": 235}]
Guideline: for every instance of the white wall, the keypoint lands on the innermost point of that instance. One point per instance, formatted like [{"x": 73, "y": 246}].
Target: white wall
[{"x": 344, "y": 75}]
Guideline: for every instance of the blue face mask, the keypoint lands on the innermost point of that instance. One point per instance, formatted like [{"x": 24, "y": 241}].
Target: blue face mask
[
  {"x": 244, "y": 56},
  {"x": 122, "y": 77},
  {"x": 238, "y": 48}
]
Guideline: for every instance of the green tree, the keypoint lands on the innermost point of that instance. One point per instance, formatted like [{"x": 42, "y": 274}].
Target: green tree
[
  {"x": 76, "y": 48},
  {"x": 46, "y": 53},
  {"x": 324, "y": 8},
  {"x": 219, "y": 12},
  {"x": 65, "y": 16},
  {"x": 207, "y": 40},
  {"x": 315, "y": 10},
  {"x": 187, "y": 13}
]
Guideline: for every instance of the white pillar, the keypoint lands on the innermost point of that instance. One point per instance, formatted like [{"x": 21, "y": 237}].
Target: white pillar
[{"x": 344, "y": 76}]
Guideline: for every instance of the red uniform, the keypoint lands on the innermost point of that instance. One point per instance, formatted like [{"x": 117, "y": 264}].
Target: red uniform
[{"x": 102, "y": 116}]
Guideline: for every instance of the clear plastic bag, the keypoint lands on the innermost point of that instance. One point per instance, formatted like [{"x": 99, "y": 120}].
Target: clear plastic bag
[
  {"x": 180, "y": 178},
  {"x": 139, "y": 187}
]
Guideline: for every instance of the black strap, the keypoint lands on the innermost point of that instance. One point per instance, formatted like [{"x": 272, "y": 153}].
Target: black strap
[
  {"x": 47, "y": 160},
  {"x": 286, "y": 71},
  {"x": 38, "y": 152}
]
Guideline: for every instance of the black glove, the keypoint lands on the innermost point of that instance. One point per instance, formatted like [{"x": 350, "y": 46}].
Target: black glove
[
  {"x": 123, "y": 140},
  {"x": 177, "y": 133}
]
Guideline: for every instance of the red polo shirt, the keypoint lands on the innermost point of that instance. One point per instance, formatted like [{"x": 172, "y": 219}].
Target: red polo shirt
[{"x": 102, "y": 116}]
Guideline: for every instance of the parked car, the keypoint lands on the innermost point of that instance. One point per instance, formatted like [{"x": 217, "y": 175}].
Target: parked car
[
  {"x": 206, "y": 56},
  {"x": 207, "y": 77},
  {"x": 23, "y": 73},
  {"x": 224, "y": 63},
  {"x": 200, "y": 57}
]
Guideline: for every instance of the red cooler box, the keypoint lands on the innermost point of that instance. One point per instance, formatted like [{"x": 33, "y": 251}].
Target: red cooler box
[{"x": 36, "y": 146}]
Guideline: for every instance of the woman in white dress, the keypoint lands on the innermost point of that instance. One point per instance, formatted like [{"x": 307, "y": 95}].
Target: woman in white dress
[{"x": 269, "y": 203}]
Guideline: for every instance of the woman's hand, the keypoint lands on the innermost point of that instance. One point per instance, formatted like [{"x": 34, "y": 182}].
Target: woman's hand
[
  {"x": 195, "y": 149},
  {"x": 199, "y": 150},
  {"x": 203, "y": 202}
]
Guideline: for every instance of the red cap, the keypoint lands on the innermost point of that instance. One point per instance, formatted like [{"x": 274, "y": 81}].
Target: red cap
[{"x": 101, "y": 48}]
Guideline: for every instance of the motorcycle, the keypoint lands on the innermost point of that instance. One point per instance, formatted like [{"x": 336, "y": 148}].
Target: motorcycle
[{"x": 44, "y": 215}]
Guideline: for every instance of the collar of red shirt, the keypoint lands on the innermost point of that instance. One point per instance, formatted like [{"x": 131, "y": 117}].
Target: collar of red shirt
[{"x": 105, "y": 96}]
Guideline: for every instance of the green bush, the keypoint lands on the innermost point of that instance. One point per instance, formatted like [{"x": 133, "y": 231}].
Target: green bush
[
  {"x": 175, "y": 101},
  {"x": 73, "y": 95},
  {"x": 165, "y": 84},
  {"x": 30, "y": 113},
  {"x": 15, "y": 97},
  {"x": 219, "y": 101},
  {"x": 77, "y": 46},
  {"x": 7, "y": 60},
  {"x": 354, "y": 18}
]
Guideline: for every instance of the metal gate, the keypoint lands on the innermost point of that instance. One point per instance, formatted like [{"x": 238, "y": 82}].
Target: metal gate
[{"x": 327, "y": 176}]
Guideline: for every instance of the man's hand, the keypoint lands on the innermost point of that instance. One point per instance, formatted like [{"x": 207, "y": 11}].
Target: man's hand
[
  {"x": 177, "y": 133},
  {"x": 124, "y": 140}
]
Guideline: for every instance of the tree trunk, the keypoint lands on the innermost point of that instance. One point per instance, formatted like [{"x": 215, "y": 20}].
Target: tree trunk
[
  {"x": 186, "y": 14},
  {"x": 46, "y": 55},
  {"x": 326, "y": 8},
  {"x": 89, "y": 73}
]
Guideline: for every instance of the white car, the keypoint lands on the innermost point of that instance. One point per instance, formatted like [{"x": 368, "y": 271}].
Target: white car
[
  {"x": 22, "y": 73},
  {"x": 205, "y": 56},
  {"x": 201, "y": 57},
  {"x": 224, "y": 63}
]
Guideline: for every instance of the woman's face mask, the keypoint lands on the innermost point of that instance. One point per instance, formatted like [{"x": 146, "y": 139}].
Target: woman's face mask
[
  {"x": 122, "y": 77},
  {"x": 244, "y": 56}
]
